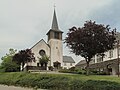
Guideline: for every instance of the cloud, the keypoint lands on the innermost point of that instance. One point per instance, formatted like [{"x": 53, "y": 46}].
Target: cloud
[
  {"x": 25, "y": 22},
  {"x": 108, "y": 15}
]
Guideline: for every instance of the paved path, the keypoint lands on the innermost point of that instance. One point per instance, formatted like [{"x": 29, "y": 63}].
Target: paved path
[
  {"x": 53, "y": 72},
  {"x": 5, "y": 87}
]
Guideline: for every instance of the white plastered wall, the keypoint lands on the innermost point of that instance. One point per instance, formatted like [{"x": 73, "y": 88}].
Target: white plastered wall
[
  {"x": 39, "y": 46},
  {"x": 56, "y": 51}
]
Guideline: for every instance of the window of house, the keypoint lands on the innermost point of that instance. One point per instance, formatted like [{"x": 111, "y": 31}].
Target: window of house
[
  {"x": 93, "y": 59},
  {"x": 70, "y": 64},
  {"x": 99, "y": 58},
  {"x": 42, "y": 52},
  {"x": 64, "y": 64},
  {"x": 56, "y": 35},
  {"x": 110, "y": 53}
]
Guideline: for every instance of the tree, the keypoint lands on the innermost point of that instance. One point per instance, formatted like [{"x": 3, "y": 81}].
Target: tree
[
  {"x": 44, "y": 61},
  {"x": 24, "y": 56},
  {"x": 7, "y": 64},
  {"x": 89, "y": 40}
]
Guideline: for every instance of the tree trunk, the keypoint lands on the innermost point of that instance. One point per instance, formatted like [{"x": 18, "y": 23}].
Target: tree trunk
[
  {"x": 45, "y": 66},
  {"x": 87, "y": 69}
]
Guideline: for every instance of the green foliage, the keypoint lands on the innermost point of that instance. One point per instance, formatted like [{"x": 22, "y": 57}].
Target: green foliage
[
  {"x": 44, "y": 59},
  {"x": 73, "y": 70},
  {"x": 43, "y": 62},
  {"x": 50, "y": 68},
  {"x": 56, "y": 82},
  {"x": 24, "y": 56},
  {"x": 7, "y": 64},
  {"x": 86, "y": 41},
  {"x": 95, "y": 72},
  {"x": 100, "y": 85}
]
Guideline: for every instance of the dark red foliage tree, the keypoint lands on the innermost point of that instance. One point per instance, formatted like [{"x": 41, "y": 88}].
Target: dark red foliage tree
[
  {"x": 89, "y": 40},
  {"x": 24, "y": 56}
]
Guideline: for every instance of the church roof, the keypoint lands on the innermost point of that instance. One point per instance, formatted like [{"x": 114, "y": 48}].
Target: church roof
[
  {"x": 68, "y": 59},
  {"x": 55, "y": 26},
  {"x": 54, "y": 22},
  {"x": 39, "y": 42}
]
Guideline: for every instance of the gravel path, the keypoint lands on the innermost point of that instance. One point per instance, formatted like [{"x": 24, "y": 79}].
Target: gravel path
[{"x": 5, "y": 87}]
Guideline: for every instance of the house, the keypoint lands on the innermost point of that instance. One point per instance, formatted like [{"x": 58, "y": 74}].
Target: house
[
  {"x": 109, "y": 63},
  {"x": 68, "y": 62},
  {"x": 82, "y": 64}
]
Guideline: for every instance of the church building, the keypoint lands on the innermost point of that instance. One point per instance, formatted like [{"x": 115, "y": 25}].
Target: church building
[{"x": 53, "y": 48}]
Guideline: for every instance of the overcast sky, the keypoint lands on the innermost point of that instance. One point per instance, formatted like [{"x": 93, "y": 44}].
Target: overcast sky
[{"x": 24, "y": 22}]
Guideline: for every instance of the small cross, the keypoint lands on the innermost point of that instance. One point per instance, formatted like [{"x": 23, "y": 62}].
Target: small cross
[{"x": 54, "y": 5}]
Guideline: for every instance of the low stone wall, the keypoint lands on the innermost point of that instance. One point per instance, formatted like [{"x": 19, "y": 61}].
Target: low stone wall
[{"x": 28, "y": 68}]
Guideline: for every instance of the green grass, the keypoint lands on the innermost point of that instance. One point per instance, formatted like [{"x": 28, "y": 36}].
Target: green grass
[
  {"x": 97, "y": 77},
  {"x": 60, "y": 81}
]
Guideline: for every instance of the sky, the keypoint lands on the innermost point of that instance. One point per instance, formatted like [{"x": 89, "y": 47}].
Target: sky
[{"x": 25, "y": 22}]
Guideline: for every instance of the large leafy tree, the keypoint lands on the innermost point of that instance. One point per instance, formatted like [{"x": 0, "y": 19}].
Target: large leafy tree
[
  {"x": 89, "y": 40},
  {"x": 7, "y": 64},
  {"x": 24, "y": 56}
]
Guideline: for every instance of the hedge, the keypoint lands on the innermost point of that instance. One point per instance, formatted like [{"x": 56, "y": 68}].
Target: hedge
[{"x": 55, "y": 82}]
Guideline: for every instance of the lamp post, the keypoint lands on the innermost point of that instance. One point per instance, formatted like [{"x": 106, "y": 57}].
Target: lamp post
[{"x": 118, "y": 57}]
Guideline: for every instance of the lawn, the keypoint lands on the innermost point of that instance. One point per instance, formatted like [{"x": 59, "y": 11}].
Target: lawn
[{"x": 61, "y": 81}]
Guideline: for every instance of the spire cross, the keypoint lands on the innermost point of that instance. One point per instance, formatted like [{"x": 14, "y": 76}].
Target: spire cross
[{"x": 54, "y": 5}]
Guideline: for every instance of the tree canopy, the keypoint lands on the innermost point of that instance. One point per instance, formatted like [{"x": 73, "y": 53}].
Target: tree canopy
[
  {"x": 7, "y": 64},
  {"x": 91, "y": 39},
  {"x": 24, "y": 56}
]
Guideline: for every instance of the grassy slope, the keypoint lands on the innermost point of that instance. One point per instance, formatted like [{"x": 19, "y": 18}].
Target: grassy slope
[
  {"x": 50, "y": 80},
  {"x": 72, "y": 76},
  {"x": 95, "y": 77}
]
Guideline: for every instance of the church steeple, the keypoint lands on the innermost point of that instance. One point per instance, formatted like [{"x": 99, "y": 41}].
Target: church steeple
[
  {"x": 54, "y": 22},
  {"x": 55, "y": 42},
  {"x": 54, "y": 32}
]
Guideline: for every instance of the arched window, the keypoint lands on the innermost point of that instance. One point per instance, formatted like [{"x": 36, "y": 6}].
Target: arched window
[{"x": 42, "y": 52}]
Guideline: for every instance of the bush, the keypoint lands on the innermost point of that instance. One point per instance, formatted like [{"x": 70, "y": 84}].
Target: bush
[
  {"x": 95, "y": 72},
  {"x": 55, "y": 82},
  {"x": 73, "y": 70},
  {"x": 50, "y": 68},
  {"x": 100, "y": 85}
]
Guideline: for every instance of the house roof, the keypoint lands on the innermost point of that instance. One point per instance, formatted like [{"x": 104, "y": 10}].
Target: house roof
[
  {"x": 83, "y": 62},
  {"x": 68, "y": 59}
]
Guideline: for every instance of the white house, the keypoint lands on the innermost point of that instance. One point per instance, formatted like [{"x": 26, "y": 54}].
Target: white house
[
  {"x": 68, "y": 62},
  {"x": 109, "y": 63}
]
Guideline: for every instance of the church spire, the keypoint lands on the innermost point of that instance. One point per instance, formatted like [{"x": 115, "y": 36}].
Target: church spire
[{"x": 54, "y": 22}]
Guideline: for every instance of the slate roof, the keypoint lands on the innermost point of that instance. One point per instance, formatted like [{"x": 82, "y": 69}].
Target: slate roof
[
  {"x": 83, "y": 63},
  {"x": 68, "y": 59},
  {"x": 54, "y": 22}
]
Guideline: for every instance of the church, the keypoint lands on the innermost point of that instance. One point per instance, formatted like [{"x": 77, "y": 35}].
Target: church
[{"x": 53, "y": 48}]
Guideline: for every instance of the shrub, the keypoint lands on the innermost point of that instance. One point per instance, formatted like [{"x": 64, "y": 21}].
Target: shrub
[{"x": 55, "y": 82}]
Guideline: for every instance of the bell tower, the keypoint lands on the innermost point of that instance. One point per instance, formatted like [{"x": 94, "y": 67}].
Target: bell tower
[{"x": 55, "y": 42}]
